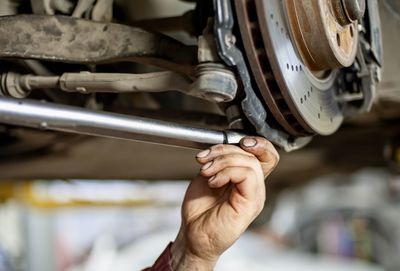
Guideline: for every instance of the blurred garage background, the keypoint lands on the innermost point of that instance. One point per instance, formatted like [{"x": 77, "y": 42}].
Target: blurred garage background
[
  {"x": 332, "y": 206},
  {"x": 337, "y": 222}
]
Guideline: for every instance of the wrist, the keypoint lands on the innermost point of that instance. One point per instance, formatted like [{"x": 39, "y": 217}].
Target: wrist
[{"x": 183, "y": 259}]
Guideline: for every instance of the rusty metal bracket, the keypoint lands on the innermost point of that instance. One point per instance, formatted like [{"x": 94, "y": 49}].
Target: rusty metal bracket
[{"x": 73, "y": 40}]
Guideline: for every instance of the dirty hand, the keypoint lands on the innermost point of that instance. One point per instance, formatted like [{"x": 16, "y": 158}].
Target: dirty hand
[{"x": 222, "y": 201}]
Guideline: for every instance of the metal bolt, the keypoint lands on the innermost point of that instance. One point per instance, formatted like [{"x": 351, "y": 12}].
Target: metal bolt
[
  {"x": 230, "y": 40},
  {"x": 355, "y": 9}
]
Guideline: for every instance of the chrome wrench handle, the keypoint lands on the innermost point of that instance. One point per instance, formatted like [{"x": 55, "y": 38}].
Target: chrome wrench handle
[{"x": 48, "y": 116}]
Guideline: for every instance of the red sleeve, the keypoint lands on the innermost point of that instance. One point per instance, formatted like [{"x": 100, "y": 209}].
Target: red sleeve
[{"x": 163, "y": 262}]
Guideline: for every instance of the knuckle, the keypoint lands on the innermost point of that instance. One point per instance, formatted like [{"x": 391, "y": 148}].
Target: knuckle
[
  {"x": 263, "y": 142},
  {"x": 220, "y": 162},
  {"x": 227, "y": 160},
  {"x": 220, "y": 159},
  {"x": 224, "y": 175},
  {"x": 254, "y": 160},
  {"x": 273, "y": 156},
  {"x": 218, "y": 148},
  {"x": 256, "y": 164},
  {"x": 249, "y": 173}
]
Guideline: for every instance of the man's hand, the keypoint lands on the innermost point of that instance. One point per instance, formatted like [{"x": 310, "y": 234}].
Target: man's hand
[{"x": 222, "y": 201}]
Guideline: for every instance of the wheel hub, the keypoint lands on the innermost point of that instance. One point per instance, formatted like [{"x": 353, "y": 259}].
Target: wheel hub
[{"x": 323, "y": 32}]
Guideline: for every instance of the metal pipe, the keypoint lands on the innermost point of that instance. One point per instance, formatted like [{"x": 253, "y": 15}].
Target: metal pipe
[{"x": 63, "y": 118}]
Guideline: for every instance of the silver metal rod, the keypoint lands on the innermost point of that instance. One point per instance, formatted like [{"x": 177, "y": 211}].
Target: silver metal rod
[{"x": 63, "y": 118}]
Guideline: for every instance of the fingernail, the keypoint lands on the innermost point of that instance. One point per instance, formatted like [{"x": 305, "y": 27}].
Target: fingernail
[
  {"x": 203, "y": 153},
  {"x": 206, "y": 166},
  {"x": 249, "y": 142},
  {"x": 211, "y": 180}
]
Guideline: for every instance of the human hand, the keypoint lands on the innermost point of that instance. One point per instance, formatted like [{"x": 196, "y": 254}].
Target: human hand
[{"x": 222, "y": 201}]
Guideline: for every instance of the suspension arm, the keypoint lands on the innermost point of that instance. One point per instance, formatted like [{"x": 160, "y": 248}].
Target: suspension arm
[{"x": 72, "y": 40}]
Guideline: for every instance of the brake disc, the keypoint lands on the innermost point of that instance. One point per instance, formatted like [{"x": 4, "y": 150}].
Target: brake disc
[{"x": 295, "y": 50}]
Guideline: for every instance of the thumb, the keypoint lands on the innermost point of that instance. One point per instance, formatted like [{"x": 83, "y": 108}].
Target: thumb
[{"x": 262, "y": 149}]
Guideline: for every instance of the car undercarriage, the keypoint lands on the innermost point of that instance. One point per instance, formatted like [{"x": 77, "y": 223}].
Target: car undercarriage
[{"x": 302, "y": 74}]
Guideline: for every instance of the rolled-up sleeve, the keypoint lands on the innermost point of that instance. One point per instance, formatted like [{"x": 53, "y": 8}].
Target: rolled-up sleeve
[{"x": 163, "y": 262}]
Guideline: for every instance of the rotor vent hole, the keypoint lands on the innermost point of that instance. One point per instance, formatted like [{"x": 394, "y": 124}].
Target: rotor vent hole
[
  {"x": 338, "y": 39},
  {"x": 319, "y": 116},
  {"x": 297, "y": 68},
  {"x": 251, "y": 11},
  {"x": 305, "y": 98},
  {"x": 292, "y": 68},
  {"x": 257, "y": 40},
  {"x": 301, "y": 100},
  {"x": 288, "y": 66},
  {"x": 351, "y": 31}
]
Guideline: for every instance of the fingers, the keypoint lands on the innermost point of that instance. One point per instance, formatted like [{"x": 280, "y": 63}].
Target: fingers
[
  {"x": 263, "y": 150},
  {"x": 210, "y": 154},
  {"x": 255, "y": 152},
  {"x": 242, "y": 170},
  {"x": 231, "y": 160},
  {"x": 247, "y": 183},
  {"x": 235, "y": 175}
]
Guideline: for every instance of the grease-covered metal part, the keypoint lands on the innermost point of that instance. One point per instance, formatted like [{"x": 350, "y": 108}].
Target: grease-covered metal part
[
  {"x": 83, "y": 121},
  {"x": 72, "y": 40},
  {"x": 214, "y": 82},
  {"x": 11, "y": 85}
]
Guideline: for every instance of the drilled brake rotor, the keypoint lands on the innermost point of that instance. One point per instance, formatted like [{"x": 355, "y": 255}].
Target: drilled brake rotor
[{"x": 296, "y": 77}]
